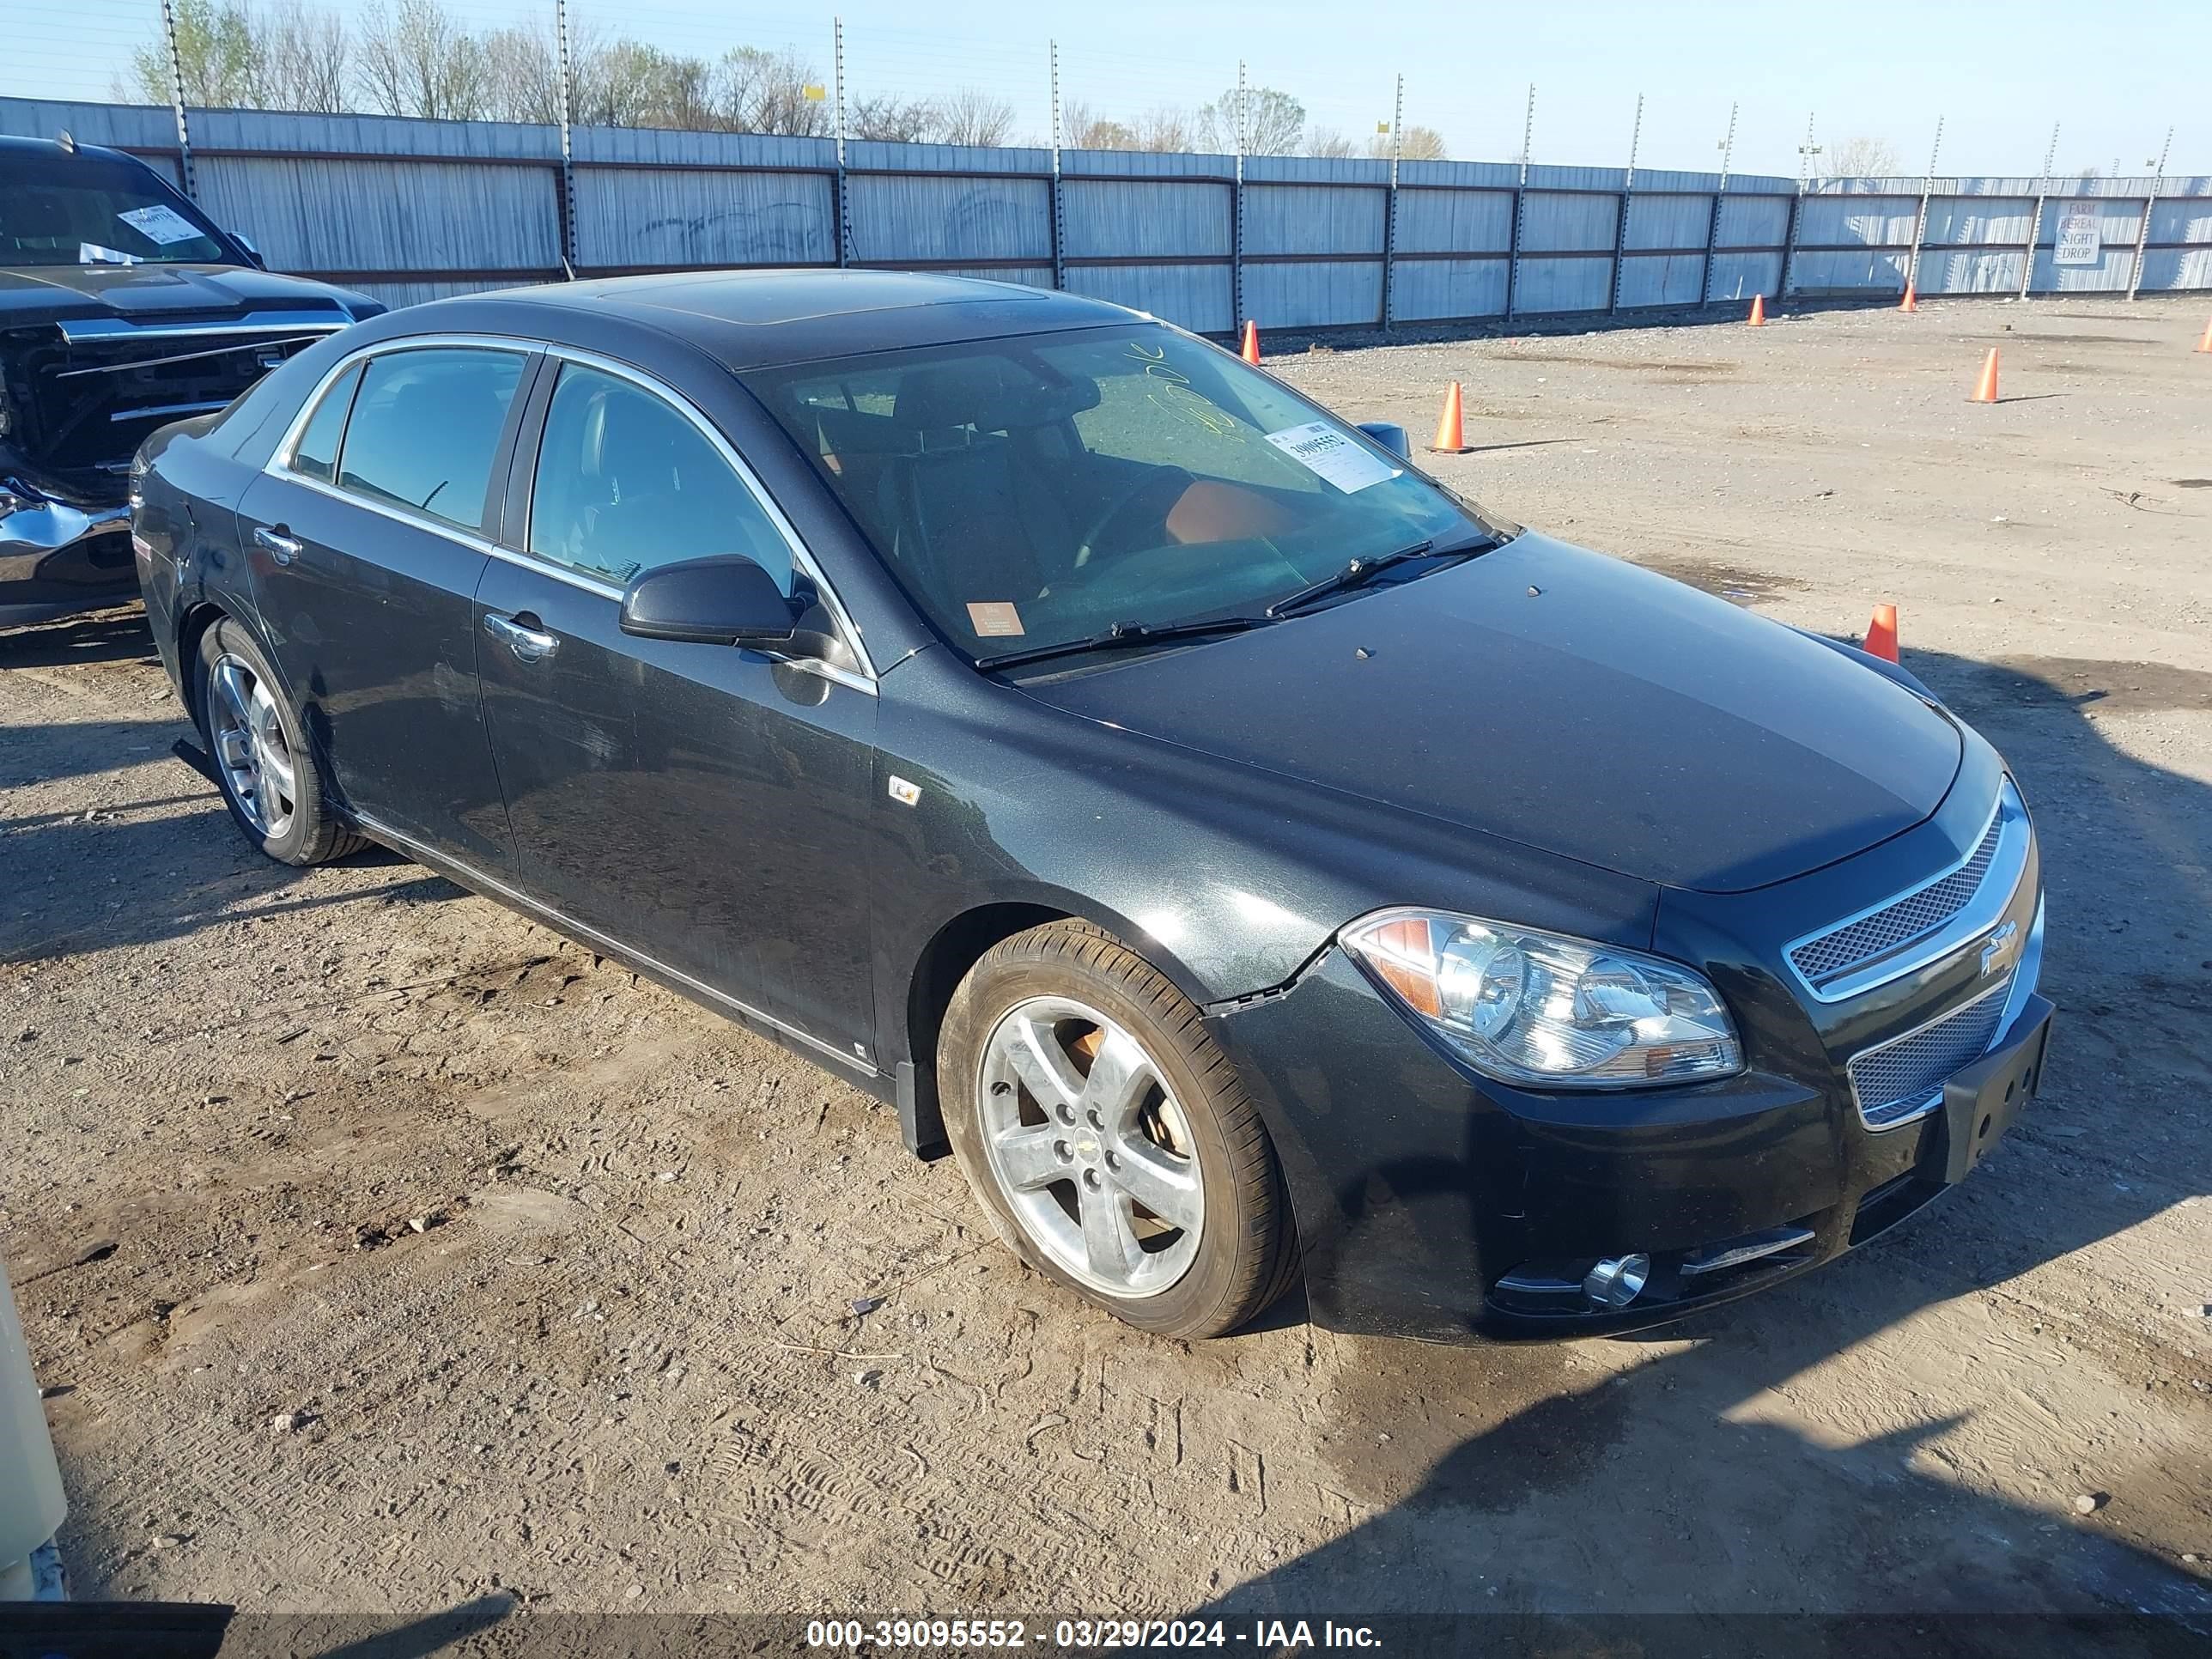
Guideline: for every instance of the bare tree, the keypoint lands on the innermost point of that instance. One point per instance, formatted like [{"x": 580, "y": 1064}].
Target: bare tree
[
  {"x": 302, "y": 58},
  {"x": 973, "y": 117},
  {"x": 1166, "y": 128},
  {"x": 1864, "y": 158},
  {"x": 1271, "y": 122},
  {"x": 419, "y": 61},
  {"x": 522, "y": 66},
  {"x": 761, "y": 91},
  {"x": 1332, "y": 145},
  {"x": 1416, "y": 144},
  {"x": 891, "y": 119}
]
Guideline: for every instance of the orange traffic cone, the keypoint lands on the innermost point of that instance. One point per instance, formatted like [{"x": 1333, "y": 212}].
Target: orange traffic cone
[
  {"x": 1912, "y": 300},
  {"x": 1758, "y": 311},
  {"x": 1251, "y": 353},
  {"x": 2205, "y": 344},
  {"x": 1985, "y": 390},
  {"x": 1450, "y": 439},
  {"x": 1881, "y": 633}
]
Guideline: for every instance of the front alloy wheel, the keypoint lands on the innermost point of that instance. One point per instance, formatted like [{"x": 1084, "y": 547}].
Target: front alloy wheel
[
  {"x": 1091, "y": 1148},
  {"x": 1108, "y": 1136}
]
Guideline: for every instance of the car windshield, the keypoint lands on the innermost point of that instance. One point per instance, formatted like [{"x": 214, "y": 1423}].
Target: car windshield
[
  {"x": 1036, "y": 491},
  {"x": 59, "y": 208}
]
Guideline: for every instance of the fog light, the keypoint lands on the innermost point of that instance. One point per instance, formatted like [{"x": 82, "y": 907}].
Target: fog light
[{"x": 1618, "y": 1281}]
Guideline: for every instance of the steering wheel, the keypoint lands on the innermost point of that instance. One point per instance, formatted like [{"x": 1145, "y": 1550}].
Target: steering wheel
[{"x": 1153, "y": 482}]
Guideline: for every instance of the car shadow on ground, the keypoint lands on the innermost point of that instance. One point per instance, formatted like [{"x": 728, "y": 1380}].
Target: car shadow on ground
[
  {"x": 99, "y": 636},
  {"x": 1636, "y": 1494}
]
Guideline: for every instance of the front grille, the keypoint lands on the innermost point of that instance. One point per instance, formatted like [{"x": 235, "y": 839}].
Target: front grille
[
  {"x": 1899, "y": 1079},
  {"x": 1899, "y": 922}
]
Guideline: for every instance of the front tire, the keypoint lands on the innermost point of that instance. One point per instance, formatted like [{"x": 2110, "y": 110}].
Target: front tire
[
  {"x": 269, "y": 774},
  {"x": 1109, "y": 1138}
]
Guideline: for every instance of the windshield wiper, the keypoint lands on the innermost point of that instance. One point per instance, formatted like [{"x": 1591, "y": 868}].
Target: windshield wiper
[
  {"x": 1360, "y": 572},
  {"x": 1124, "y": 635}
]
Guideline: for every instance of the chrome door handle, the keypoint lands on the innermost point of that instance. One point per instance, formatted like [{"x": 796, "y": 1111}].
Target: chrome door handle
[
  {"x": 281, "y": 548},
  {"x": 528, "y": 644}
]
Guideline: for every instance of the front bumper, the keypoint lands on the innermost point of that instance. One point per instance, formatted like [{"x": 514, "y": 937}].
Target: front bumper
[
  {"x": 56, "y": 559},
  {"x": 1418, "y": 1187}
]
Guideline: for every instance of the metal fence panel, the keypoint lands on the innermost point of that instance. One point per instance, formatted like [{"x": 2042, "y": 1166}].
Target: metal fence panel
[
  {"x": 1661, "y": 279},
  {"x": 1550, "y": 223},
  {"x": 1977, "y": 221},
  {"x": 1752, "y": 221},
  {"x": 1740, "y": 276},
  {"x": 634, "y": 216},
  {"x": 1312, "y": 218},
  {"x": 1433, "y": 290},
  {"x": 920, "y": 217},
  {"x": 1112, "y": 220},
  {"x": 414, "y": 216},
  {"x": 1672, "y": 221},
  {"x": 1454, "y": 221},
  {"x": 1858, "y": 220},
  {"x": 1194, "y": 296},
  {"x": 1583, "y": 283},
  {"x": 1309, "y": 294},
  {"x": 1956, "y": 271}
]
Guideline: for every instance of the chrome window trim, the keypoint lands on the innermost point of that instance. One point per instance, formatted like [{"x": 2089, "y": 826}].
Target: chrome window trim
[
  {"x": 801, "y": 559},
  {"x": 1934, "y": 1098},
  {"x": 280, "y": 466},
  {"x": 1968, "y": 923},
  {"x": 613, "y": 946}
]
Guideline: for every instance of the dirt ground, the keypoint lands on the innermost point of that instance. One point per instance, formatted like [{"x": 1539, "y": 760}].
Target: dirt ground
[{"x": 381, "y": 1251}]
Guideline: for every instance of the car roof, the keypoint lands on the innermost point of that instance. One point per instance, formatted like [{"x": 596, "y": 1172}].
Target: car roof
[{"x": 765, "y": 318}]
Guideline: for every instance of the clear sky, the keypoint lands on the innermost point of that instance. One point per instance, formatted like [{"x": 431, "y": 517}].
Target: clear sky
[{"x": 2115, "y": 78}]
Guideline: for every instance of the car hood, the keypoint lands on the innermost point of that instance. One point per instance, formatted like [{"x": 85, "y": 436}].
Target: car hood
[
  {"x": 1566, "y": 701},
  {"x": 157, "y": 293}
]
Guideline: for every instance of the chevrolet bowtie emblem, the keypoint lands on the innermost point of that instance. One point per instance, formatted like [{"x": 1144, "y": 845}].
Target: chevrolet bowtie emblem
[{"x": 1998, "y": 949}]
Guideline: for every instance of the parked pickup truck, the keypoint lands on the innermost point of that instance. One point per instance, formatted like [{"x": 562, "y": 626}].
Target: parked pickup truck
[{"x": 122, "y": 307}]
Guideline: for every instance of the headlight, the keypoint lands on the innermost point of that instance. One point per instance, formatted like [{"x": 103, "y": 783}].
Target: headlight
[{"x": 1531, "y": 1007}]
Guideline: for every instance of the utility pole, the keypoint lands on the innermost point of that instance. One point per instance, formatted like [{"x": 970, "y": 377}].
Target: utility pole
[
  {"x": 2150, "y": 201},
  {"x": 177, "y": 101}
]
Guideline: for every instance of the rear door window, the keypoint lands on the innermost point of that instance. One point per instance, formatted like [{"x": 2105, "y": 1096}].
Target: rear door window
[
  {"x": 426, "y": 428},
  {"x": 316, "y": 454}
]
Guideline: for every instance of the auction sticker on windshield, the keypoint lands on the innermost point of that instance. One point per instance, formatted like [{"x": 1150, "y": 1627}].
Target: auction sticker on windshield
[
  {"x": 1333, "y": 456},
  {"x": 160, "y": 224}
]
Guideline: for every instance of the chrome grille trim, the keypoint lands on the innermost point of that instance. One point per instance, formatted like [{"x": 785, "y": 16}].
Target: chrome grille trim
[
  {"x": 1927, "y": 922},
  {"x": 1902, "y": 1079}
]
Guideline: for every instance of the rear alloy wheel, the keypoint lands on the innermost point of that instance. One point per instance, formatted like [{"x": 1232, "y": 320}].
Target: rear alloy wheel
[
  {"x": 1109, "y": 1136},
  {"x": 269, "y": 777}
]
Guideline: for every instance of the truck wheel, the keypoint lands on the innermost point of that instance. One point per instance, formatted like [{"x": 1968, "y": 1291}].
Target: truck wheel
[{"x": 1109, "y": 1138}]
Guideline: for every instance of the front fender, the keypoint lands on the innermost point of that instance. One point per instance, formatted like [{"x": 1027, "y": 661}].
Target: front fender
[{"x": 1228, "y": 879}]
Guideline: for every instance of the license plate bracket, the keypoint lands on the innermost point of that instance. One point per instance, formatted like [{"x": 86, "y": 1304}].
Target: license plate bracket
[{"x": 1981, "y": 1102}]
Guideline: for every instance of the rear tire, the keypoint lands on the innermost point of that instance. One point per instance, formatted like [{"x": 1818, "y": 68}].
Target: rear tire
[
  {"x": 269, "y": 775},
  {"x": 1108, "y": 1137}
]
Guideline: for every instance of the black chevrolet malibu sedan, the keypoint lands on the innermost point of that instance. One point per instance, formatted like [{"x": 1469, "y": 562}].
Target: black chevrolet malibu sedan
[{"x": 1258, "y": 863}]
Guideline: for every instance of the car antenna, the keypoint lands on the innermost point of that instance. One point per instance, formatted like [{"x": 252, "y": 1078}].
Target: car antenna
[{"x": 67, "y": 140}]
